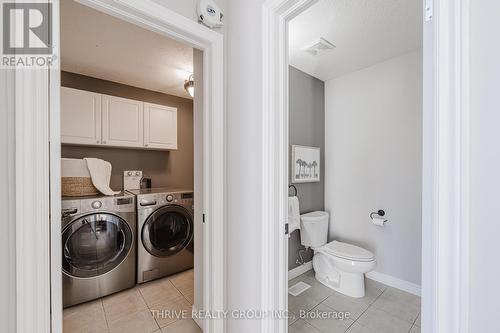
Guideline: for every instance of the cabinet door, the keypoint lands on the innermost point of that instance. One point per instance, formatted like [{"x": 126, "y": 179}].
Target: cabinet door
[
  {"x": 160, "y": 126},
  {"x": 122, "y": 122},
  {"x": 80, "y": 117}
]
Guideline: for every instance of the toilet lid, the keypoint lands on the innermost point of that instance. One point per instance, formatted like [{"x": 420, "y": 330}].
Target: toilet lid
[{"x": 348, "y": 251}]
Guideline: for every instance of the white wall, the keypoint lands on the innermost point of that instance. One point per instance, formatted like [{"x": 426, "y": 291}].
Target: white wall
[
  {"x": 485, "y": 166},
  {"x": 243, "y": 55},
  {"x": 244, "y": 124},
  {"x": 374, "y": 161}
]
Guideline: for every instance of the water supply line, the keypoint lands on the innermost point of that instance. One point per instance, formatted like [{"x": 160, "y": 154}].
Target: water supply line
[{"x": 300, "y": 259}]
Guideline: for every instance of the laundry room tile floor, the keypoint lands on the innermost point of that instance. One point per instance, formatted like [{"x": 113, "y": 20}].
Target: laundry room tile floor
[
  {"x": 146, "y": 308},
  {"x": 383, "y": 309}
]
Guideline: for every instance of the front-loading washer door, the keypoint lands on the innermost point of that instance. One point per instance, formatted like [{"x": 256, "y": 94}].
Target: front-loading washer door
[
  {"x": 95, "y": 244},
  {"x": 167, "y": 231}
]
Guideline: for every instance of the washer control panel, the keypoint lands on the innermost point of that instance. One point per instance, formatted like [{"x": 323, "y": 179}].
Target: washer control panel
[{"x": 125, "y": 203}]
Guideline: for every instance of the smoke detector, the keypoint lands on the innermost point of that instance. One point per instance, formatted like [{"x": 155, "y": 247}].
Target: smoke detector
[
  {"x": 320, "y": 45},
  {"x": 209, "y": 13}
]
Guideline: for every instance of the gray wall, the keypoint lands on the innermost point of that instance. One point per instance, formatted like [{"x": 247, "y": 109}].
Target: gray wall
[
  {"x": 374, "y": 161},
  {"x": 307, "y": 127},
  {"x": 166, "y": 168}
]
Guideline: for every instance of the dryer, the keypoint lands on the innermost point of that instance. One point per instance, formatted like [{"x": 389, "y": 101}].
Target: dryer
[
  {"x": 165, "y": 232},
  {"x": 99, "y": 246}
]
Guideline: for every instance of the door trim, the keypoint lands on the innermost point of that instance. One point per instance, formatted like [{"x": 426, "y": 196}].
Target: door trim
[
  {"x": 446, "y": 191},
  {"x": 38, "y": 195},
  {"x": 446, "y": 175},
  {"x": 274, "y": 199}
]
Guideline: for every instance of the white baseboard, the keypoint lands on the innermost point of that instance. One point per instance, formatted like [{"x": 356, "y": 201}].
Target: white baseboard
[
  {"x": 293, "y": 273},
  {"x": 394, "y": 282},
  {"x": 198, "y": 321}
]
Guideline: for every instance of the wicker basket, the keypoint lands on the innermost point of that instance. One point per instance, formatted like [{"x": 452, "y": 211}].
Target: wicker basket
[
  {"x": 76, "y": 181},
  {"x": 78, "y": 186}
]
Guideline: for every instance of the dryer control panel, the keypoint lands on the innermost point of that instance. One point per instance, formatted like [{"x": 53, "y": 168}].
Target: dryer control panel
[{"x": 152, "y": 200}]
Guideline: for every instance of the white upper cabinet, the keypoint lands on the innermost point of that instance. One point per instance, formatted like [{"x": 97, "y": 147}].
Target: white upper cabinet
[
  {"x": 80, "y": 117},
  {"x": 94, "y": 119},
  {"x": 160, "y": 126},
  {"x": 122, "y": 122}
]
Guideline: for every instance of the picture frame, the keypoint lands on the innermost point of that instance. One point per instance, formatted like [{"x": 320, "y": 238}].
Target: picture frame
[{"x": 305, "y": 164}]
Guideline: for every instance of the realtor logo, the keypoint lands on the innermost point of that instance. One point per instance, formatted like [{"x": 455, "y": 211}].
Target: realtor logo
[
  {"x": 26, "y": 34},
  {"x": 26, "y": 28}
]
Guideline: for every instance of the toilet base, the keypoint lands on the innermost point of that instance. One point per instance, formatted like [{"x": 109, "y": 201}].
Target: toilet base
[
  {"x": 350, "y": 284},
  {"x": 329, "y": 271}
]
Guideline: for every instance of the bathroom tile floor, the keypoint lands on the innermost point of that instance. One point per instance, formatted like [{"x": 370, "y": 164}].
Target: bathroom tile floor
[
  {"x": 382, "y": 310},
  {"x": 133, "y": 310}
]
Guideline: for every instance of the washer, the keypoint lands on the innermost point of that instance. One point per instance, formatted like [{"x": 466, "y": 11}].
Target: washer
[
  {"x": 165, "y": 232},
  {"x": 99, "y": 246}
]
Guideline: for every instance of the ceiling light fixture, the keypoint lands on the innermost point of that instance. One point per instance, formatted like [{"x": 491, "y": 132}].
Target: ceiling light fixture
[{"x": 189, "y": 85}]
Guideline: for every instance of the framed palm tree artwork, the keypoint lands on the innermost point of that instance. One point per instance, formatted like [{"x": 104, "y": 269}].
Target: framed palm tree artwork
[{"x": 305, "y": 164}]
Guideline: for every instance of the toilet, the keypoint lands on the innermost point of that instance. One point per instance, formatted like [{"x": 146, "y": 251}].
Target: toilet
[{"x": 339, "y": 266}]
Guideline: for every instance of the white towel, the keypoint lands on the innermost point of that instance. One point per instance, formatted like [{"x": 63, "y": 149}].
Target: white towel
[
  {"x": 293, "y": 214},
  {"x": 100, "y": 172}
]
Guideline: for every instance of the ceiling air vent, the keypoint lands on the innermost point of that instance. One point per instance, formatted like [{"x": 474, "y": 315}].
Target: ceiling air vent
[{"x": 318, "y": 46}]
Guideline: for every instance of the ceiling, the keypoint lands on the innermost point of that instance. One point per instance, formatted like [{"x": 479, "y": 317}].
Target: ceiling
[
  {"x": 365, "y": 32},
  {"x": 101, "y": 46}
]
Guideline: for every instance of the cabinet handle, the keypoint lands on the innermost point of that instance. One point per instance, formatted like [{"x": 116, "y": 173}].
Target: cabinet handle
[
  {"x": 104, "y": 142},
  {"x": 97, "y": 141},
  {"x": 145, "y": 145}
]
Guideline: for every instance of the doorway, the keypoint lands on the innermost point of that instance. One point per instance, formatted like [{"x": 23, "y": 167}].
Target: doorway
[
  {"x": 42, "y": 88},
  {"x": 355, "y": 129},
  {"x": 112, "y": 84},
  {"x": 442, "y": 140}
]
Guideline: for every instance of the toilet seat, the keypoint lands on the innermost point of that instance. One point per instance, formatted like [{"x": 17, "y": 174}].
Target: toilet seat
[{"x": 348, "y": 251}]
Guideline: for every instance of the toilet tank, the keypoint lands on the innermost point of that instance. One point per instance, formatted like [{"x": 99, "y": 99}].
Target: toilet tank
[{"x": 314, "y": 229}]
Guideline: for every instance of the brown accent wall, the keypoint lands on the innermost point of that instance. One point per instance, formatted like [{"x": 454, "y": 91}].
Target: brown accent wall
[{"x": 166, "y": 168}]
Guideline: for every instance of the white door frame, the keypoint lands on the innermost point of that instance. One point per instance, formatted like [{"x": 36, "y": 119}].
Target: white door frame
[
  {"x": 38, "y": 224},
  {"x": 445, "y": 225}
]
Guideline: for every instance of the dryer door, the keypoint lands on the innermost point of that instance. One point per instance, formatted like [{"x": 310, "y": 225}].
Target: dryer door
[
  {"x": 167, "y": 231},
  {"x": 95, "y": 244}
]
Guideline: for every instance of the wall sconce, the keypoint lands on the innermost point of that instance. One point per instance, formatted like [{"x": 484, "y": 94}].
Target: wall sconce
[{"x": 189, "y": 85}]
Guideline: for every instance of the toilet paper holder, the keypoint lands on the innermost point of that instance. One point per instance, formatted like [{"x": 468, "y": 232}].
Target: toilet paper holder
[{"x": 380, "y": 212}]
